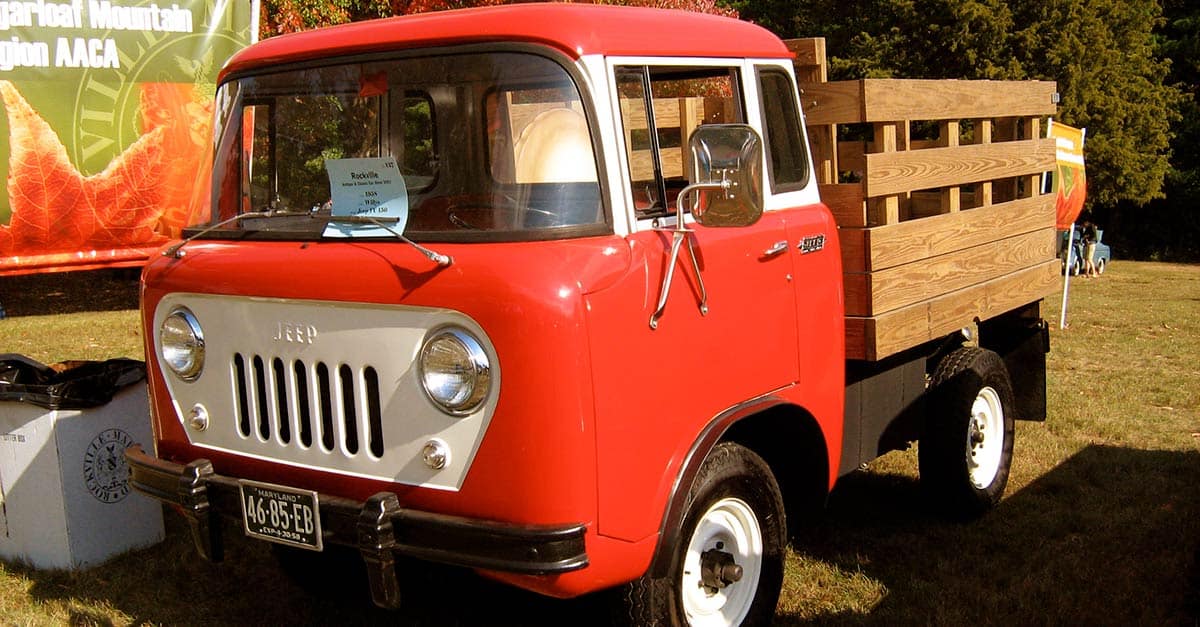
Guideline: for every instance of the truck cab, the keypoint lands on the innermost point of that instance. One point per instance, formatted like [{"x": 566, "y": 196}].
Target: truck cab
[{"x": 546, "y": 291}]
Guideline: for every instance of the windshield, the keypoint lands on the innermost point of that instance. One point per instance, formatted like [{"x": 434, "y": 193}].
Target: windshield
[{"x": 469, "y": 146}]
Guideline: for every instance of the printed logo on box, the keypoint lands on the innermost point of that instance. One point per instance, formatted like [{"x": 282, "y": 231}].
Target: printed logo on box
[{"x": 104, "y": 469}]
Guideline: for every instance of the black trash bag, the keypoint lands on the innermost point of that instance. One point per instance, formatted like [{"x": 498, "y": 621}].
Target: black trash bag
[{"x": 69, "y": 385}]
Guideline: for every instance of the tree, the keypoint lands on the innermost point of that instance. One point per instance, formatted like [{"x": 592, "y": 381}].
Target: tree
[
  {"x": 289, "y": 16},
  {"x": 1169, "y": 228},
  {"x": 897, "y": 38},
  {"x": 1104, "y": 55}
]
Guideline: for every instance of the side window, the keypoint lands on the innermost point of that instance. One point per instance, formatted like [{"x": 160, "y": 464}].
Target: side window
[
  {"x": 787, "y": 156},
  {"x": 660, "y": 107}
]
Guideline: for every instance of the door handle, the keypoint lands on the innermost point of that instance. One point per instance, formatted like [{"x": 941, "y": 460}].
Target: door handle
[{"x": 775, "y": 249}]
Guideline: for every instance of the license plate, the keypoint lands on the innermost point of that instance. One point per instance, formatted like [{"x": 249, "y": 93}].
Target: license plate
[{"x": 281, "y": 514}]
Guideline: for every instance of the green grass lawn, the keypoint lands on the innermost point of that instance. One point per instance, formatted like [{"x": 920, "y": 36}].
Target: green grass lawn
[{"x": 1100, "y": 523}]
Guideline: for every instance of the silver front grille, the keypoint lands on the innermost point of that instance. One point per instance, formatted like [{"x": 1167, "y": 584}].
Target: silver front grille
[
  {"x": 296, "y": 404},
  {"x": 344, "y": 396}
]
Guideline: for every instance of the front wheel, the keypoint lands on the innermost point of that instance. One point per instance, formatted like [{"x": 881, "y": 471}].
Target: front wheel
[
  {"x": 729, "y": 569},
  {"x": 966, "y": 446}
]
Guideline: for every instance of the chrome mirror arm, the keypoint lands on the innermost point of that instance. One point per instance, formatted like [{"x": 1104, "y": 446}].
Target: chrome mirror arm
[{"x": 679, "y": 235}]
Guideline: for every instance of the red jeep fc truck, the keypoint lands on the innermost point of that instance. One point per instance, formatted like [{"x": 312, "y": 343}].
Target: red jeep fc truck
[{"x": 550, "y": 292}]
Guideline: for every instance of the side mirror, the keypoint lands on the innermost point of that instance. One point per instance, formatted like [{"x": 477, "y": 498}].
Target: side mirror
[
  {"x": 727, "y": 185},
  {"x": 726, "y": 175}
]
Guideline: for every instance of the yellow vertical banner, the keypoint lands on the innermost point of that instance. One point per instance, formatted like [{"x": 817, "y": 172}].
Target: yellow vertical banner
[{"x": 1070, "y": 180}]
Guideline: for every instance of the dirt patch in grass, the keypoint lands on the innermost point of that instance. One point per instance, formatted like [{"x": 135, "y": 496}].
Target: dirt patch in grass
[
  {"x": 69, "y": 292},
  {"x": 91, "y": 315}
]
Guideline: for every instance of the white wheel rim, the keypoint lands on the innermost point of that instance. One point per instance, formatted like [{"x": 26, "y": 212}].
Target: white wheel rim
[
  {"x": 729, "y": 526},
  {"x": 985, "y": 438}
]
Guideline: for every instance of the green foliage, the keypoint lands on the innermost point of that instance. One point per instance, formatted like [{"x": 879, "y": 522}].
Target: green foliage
[
  {"x": 1104, "y": 56},
  {"x": 289, "y": 16},
  {"x": 898, "y": 38},
  {"x": 1170, "y": 228},
  {"x": 1102, "y": 53}
]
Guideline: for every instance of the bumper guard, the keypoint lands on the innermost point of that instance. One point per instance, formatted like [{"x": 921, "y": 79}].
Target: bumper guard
[{"x": 379, "y": 527}]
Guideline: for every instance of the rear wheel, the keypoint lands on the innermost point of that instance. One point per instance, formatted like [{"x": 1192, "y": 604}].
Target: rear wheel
[
  {"x": 966, "y": 446},
  {"x": 1100, "y": 263},
  {"x": 729, "y": 568}
]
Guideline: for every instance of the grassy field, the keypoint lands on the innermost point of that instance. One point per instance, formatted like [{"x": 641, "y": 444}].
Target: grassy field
[{"x": 1100, "y": 524}]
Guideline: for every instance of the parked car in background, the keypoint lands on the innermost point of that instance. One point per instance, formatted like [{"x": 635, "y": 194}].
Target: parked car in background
[{"x": 1102, "y": 256}]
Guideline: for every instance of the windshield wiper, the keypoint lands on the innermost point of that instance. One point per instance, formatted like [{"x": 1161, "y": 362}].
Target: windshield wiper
[
  {"x": 176, "y": 251},
  {"x": 438, "y": 258}
]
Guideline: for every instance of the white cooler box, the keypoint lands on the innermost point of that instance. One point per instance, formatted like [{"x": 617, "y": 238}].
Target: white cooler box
[{"x": 65, "y": 500}]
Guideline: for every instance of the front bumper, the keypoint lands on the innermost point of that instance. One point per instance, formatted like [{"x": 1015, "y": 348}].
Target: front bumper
[{"x": 379, "y": 527}]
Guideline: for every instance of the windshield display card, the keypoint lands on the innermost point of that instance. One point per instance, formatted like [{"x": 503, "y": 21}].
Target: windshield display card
[{"x": 366, "y": 188}]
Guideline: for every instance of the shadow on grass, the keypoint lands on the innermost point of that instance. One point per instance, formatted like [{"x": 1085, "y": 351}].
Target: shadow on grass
[
  {"x": 69, "y": 292},
  {"x": 1108, "y": 537},
  {"x": 170, "y": 584}
]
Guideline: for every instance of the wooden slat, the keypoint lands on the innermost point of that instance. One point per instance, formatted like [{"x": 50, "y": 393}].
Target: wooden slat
[
  {"x": 666, "y": 112},
  {"x": 913, "y": 240},
  {"x": 1004, "y": 130},
  {"x": 845, "y": 202},
  {"x": 852, "y": 156},
  {"x": 832, "y": 103},
  {"x": 884, "y": 290},
  {"x": 821, "y": 142},
  {"x": 899, "y": 172},
  {"x": 889, "y": 100},
  {"x": 983, "y": 135},
  {"x": 924, "y": 204},
  {"x": 854, "y": 249},
  {"x": 682, "y": 113},
  {"x": 858, "y": 344},
  {"x": 810, "y": 58},
  {"x": 1033, "y": 183},
  {"x": 691, "y": 115},
  {"x": 916, "y": 99},
  {"x": 951, "y": 199},
  {"x": 884, "y": 209},
  {"x": 878, "y": 337}
]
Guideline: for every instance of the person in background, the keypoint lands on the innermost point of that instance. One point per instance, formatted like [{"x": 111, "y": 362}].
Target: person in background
[{"x": 1089, "y": 249}]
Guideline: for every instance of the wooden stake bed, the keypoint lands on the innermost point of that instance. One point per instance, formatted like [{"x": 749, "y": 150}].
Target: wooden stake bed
[{"x": 936, "y": 186}]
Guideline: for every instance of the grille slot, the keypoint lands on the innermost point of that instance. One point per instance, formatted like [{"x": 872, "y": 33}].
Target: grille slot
[
  {"x": 275, "y": 402},
  {"x": 303, "y": 413}
]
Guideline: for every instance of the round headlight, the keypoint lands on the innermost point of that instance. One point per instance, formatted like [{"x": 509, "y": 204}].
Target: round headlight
[
  {"x": 182, "y": 344},
  {"x": 455, "y": 371}
]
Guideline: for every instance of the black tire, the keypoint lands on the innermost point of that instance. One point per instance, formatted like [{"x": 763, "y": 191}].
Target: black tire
[
  {"x": 1100, "y": 264},
  {"x": 736, "y": 487},
  {"x": 963, "y": 468}
]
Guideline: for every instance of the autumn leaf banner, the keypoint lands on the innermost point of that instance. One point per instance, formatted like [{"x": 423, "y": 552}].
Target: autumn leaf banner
[
  {"x": 108, "y": 124},
  {"x": 1070, "y": 179}
]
